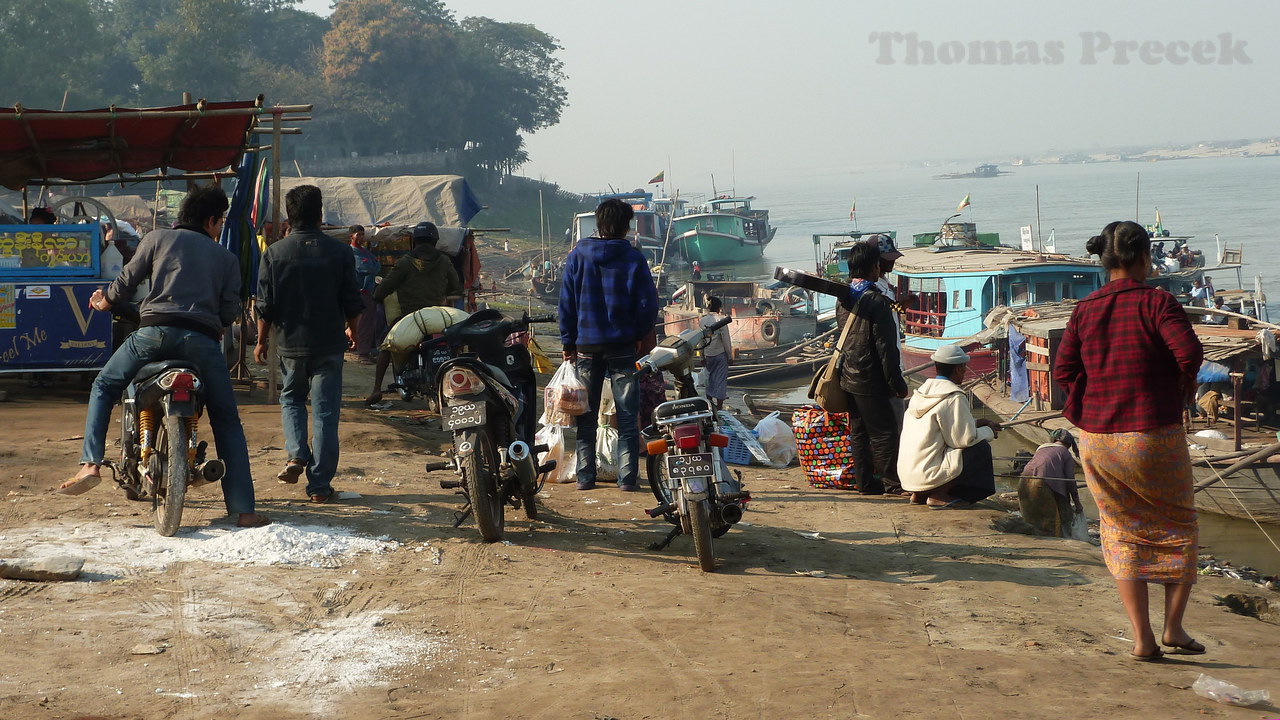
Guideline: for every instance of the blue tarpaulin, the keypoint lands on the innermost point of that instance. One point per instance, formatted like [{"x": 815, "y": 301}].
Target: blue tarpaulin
[{"x": 1019, "y": 386}]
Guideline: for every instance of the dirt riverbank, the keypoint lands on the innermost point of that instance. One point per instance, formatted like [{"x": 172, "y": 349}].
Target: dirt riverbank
[{"x": 917, "y": 614}]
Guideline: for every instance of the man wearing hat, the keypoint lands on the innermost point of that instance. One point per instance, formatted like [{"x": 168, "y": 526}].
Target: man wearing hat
[
  {"x": 425, "y": 277},
  {"x": 945, "y": 456}
]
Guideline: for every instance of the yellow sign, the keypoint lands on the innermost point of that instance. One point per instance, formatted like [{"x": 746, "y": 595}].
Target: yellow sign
[{"x": 34, "y": 249}]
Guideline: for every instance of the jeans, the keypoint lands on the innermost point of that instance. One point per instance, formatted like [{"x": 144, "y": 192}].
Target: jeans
[
  {"x": 319, "y": 378},
  {"x": 619, "y": 367},
  {"x": 170, "y": 343}
]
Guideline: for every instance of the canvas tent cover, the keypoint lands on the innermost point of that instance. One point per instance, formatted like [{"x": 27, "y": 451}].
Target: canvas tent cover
[
  {"x": 37, "y": 146},
  {"x": 406, "y": 200}
]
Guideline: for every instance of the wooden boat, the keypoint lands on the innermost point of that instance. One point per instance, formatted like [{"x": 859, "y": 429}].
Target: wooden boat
[
  {"x": 1254, "y": 492},
  {"x": 986, "y": 170},
  {"x": 761, "y": 318},
  {"x": 723, "y": 231}
]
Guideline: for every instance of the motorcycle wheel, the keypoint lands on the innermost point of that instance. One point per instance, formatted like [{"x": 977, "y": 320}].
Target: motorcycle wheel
[
  {"x": 479, "y": 470},
  {"x": 656, "y": 469},
  {"x": 700, "y": 519},
  {"x": 170, "y": 489}
]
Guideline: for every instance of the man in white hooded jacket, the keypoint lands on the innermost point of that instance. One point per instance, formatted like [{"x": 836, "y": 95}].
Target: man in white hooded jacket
[{"x": 945, "y": 455}]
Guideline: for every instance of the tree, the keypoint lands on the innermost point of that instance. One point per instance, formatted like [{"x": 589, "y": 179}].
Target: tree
[{"x": 49, "y": 53}]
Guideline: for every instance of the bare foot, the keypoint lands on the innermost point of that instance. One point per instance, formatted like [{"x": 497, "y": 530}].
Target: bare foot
[{"x": 373, "y": 399}]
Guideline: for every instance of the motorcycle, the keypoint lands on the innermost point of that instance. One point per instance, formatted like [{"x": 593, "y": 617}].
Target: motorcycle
[
  {"x": 417, "y": 375},
  {"x": 161, "y": 455},
  {"x": 487, "y": 394},
  {"x": 689, "y": 478}
]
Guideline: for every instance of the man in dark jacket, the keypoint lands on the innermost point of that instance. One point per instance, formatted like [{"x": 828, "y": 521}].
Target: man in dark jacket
[
  {"x": 195, "y": 293},
  {"x": 307, "y": 291},
  {"x": 871, "y": 373},
  {"x": 423, "y": 278},
  {"x": 608, "y": 304}
]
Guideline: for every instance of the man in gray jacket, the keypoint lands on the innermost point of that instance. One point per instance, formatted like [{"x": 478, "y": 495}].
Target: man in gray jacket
[
  {"x": 307, "y": 291},
  {"x": 195, "y": 293}
]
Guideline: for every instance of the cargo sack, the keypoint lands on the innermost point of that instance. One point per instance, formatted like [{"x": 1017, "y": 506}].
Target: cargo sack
[{"x": 824, "y": 447}]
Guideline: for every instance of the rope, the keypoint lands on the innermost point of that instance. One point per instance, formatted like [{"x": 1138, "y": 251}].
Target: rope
[{"x": 1222, "y": 481}]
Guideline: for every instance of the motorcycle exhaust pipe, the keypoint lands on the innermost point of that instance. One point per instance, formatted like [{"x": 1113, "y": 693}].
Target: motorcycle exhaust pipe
[
  {"x": 519, "y": 455},
  {"x": 212, "y": 471},
  {"x": 731, "y": 513}
]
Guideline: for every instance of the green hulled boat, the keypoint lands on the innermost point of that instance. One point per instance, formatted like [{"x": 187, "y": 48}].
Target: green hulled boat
[{"x": 723, "y": 231}]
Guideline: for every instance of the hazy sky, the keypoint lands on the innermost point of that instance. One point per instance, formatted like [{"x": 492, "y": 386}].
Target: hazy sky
[{"x": 804, "y": 87}]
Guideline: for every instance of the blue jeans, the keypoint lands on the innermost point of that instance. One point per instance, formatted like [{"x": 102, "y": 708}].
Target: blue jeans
[
  {"x": 320, "y": 378},
  {"x": 619, "y": 368},
  {"x": 171, "y": 343}
]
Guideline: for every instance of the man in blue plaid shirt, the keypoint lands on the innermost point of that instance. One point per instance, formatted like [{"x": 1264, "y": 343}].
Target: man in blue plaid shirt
[{"x": 608, "y": 304}]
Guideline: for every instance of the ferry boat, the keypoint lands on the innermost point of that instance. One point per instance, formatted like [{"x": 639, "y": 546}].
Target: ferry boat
[
  {"x": 987, "y": 170},
  {"x": 762, "y": 319},
  {"x": 723, "y": 231}
]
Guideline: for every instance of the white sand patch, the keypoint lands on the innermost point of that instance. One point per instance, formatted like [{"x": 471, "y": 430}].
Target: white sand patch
[
  {"x": 108, "y": 547},
  {"x": 344, "y": 655}
]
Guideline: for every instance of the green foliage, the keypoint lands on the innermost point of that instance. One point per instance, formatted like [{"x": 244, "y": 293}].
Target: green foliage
[{"x": 384, "y": 75}]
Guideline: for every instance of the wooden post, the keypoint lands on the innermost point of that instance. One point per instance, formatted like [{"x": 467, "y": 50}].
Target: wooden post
[
  {"x": 1237, "y": 380},
  {"x": 273, "y": 356}
]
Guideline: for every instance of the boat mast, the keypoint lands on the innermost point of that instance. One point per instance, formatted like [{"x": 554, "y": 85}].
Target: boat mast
[
  {"x": 1137, "y": 191},
  {"x": 1039, "y": 240}
]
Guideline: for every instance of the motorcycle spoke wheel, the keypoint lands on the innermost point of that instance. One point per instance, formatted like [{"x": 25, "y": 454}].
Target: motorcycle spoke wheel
[
  {"x": 480, "y": 472},
  {"x": 170, "y": 459},
  {"x": 656, "y": 469}
]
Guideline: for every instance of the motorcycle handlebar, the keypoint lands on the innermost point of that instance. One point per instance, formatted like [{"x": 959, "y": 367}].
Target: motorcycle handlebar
[{"x": 540, "y": 319}]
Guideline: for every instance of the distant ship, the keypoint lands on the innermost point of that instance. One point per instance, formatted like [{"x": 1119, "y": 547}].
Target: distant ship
[{"x": 982, "y": 171}]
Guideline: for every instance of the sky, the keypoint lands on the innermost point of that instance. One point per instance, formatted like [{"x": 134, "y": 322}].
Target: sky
[{"x": 742, "y": 89}]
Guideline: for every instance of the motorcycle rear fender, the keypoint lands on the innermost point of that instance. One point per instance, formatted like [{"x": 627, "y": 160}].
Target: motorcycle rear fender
[{"x": 180, "y": 408}]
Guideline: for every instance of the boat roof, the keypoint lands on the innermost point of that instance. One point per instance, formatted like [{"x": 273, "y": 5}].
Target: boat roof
[
  {"x": 972, "y": 260},
  {"x": 722, "y": 200}
]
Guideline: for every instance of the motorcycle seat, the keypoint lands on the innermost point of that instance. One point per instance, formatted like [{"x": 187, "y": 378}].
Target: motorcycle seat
[
  {"x": 153, "y": 369},
  {"x": 685, "y": 406}
]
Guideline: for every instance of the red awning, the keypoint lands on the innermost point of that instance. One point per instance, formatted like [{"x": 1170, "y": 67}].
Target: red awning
[{"x": 37, "y": 146}]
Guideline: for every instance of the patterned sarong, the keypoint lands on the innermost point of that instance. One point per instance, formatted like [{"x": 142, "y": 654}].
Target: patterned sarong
[
  {"x": 717, "y": 376},
  {"x": 1142, "y": 483}
]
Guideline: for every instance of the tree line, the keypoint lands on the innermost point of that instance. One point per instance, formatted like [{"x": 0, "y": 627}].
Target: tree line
[{"x": 385, "y": 76}]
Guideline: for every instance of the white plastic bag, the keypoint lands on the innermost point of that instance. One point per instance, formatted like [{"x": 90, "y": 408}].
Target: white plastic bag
[
  {"x": 777, "y": 438},
  {"x": 553, "y": 437},
  {"x": 1079, "y": 529},
  {"x": 1226, "y": 693},
  {"x": 565, "y": 397},
  {"x": 606, "y": 453}
]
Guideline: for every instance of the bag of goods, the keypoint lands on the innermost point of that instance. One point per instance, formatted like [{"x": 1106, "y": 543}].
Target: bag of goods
[
  {"x": 553, "y": 437},
  {"x": 822, "y": 442},
  {"x": 778, "y": 440},
  {"x": 565, "y": 397}
]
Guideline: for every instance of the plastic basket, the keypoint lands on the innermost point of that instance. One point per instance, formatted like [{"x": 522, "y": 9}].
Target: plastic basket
[{"x": 736, "y": 453}]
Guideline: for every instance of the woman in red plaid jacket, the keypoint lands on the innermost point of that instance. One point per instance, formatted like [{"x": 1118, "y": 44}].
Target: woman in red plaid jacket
[{"x": 1128, "y": 362}]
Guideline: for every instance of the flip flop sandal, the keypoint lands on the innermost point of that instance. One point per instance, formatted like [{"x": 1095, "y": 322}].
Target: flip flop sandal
[
  {"x": 953, "y": 505},
  {"x": 1190, "y": 647},
  {"x": 1154, "y": 657},
  {"x": 79, "y": 486},
  {"x": 323, "y": 499},
  {"x": 291, "y": 472}
]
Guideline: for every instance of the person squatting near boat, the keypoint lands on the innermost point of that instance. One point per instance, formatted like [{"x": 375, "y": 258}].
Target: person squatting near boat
[
  {"x": 717, "y": 356},
  {"x": 608, "y": 307},
  {"x": 945, "y": 461},
  {"x": 1125, "y": 346},
  {"x": 1047, "y": 492},
  {"x": 194, "y": 295},
  {"x": 871, "y": 374},
  {"x": 307, "y": 293}
]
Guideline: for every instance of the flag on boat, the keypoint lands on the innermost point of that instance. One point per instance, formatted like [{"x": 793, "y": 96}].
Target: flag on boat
[
  {"x": 658, "y": 178},
  {"x": 1050, "y": 245},
  {"x": 963, "y": 203},
  {"x": 853, "y": 208}
]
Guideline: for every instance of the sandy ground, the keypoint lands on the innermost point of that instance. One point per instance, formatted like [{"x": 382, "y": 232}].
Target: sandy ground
[{"x": 920, "y": 614}]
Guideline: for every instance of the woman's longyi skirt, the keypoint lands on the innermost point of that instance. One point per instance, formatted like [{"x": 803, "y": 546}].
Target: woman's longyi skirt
[{"x": 1142, "y": 483}]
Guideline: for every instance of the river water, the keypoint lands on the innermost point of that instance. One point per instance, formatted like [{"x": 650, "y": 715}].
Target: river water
[{"x": 1232, "y": 198}]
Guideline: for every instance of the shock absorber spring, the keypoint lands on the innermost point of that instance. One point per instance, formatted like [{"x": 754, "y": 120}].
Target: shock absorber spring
[
  {"x": 193, "y": 423},
  {"x": 147, "y": 431}
]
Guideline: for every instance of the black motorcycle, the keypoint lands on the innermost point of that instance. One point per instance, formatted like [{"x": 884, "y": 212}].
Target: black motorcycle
[{"x": 487, "y": 394}]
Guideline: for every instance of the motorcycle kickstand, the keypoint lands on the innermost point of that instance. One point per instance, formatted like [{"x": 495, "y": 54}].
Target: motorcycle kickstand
[
  {"x": 662, "y": 544},
  {"x": 461, "y": 516}
]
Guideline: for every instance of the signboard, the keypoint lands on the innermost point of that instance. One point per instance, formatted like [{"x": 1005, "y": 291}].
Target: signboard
[
  {"x": 48, "y": 325},
  {"x": 49, "y": 251},
  {"x": 1027, "y": 244}
]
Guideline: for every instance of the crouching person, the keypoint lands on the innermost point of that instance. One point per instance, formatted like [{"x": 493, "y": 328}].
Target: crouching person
[
  {"x": 945, "y": 456},
  {"x": 1047, "y": 493}
]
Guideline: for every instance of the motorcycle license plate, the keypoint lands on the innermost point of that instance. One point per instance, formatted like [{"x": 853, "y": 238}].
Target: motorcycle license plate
[
  {"x": 685, "y": 467},
  {"x": 464, "y": 416}
]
